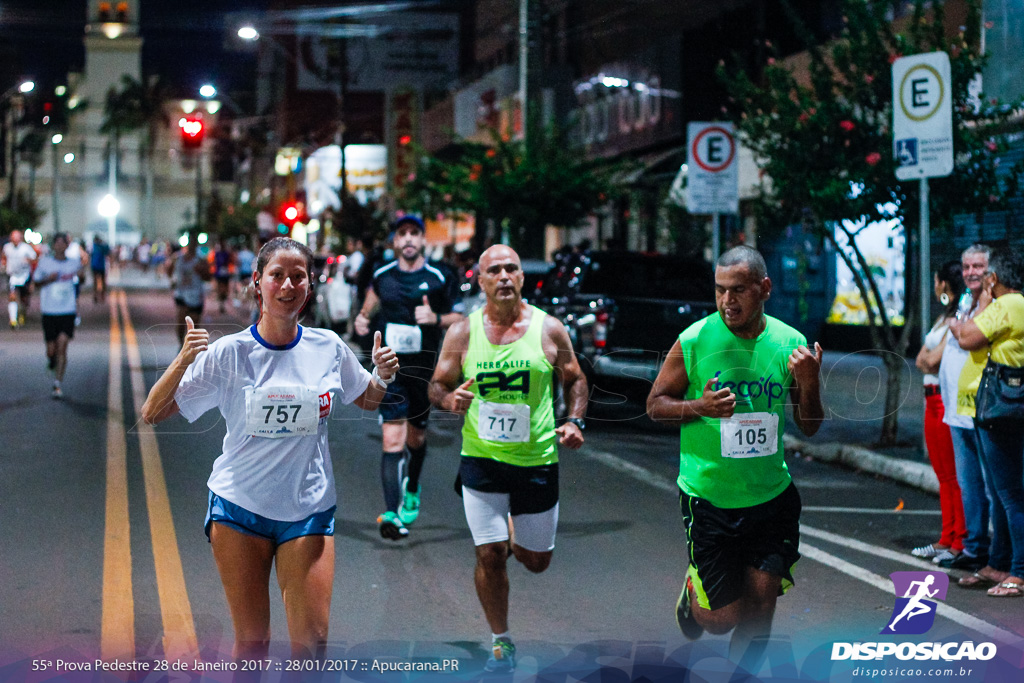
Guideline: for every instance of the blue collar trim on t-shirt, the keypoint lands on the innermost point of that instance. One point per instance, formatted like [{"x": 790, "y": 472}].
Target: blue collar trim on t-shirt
[{"x": 275, "y": 347}]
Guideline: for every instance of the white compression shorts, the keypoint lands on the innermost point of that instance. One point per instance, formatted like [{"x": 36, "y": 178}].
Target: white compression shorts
[{"x": 487, "y": 515}]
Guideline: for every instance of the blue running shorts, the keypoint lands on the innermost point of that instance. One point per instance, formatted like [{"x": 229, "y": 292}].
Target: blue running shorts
[{"x": 238, "y": 518}]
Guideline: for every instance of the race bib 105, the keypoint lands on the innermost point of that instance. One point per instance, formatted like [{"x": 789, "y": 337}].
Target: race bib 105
[{"x": 750, "y": 435}]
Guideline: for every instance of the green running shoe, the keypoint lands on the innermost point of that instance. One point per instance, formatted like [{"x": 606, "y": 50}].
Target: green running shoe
[
  {"x": 503, "y": 657},
  {"x": 391, "y": 527},
  {"x": 684, "y": 614},
  {"x": 409, "y": 509}
]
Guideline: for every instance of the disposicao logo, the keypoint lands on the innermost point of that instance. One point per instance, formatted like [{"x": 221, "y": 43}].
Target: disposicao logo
[
  {"x": 917, "y": 594},
  {"x": 914, "y": 612}
]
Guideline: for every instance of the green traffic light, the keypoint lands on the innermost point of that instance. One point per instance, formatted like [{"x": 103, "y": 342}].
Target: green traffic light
[{"x": 282, "y": 228}]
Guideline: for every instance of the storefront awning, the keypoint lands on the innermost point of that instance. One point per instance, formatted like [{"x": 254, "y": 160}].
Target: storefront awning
[{"x": 652, "y": 168}]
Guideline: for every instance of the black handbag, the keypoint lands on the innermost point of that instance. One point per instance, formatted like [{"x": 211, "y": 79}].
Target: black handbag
[{"x": 1000, "y": 397}]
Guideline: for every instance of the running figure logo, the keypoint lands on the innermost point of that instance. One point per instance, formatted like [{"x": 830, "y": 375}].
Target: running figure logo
[{"x": 914, "y": 613}]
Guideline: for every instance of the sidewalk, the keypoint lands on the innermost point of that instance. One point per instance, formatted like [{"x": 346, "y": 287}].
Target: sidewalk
[{"x": 853, "y": 393}]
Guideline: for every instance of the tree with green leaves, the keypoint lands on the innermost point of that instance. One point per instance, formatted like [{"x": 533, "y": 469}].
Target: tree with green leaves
[
  {"x": 24, "y": 215},
  {"x": 823, "y": 141},
  {"x": 521, "y": 188}
]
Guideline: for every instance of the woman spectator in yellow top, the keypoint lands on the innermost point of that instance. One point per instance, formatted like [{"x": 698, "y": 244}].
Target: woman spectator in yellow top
[{"x": 1000, "y": 327}]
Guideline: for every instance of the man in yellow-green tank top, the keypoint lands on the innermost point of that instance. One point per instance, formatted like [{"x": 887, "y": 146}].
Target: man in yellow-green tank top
[
  {"x": 497, "y": 368},
  {"x": 726, "y": 382}
]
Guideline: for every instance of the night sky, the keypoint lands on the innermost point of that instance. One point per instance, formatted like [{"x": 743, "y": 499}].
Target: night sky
[{"x": 184, "y": 42}]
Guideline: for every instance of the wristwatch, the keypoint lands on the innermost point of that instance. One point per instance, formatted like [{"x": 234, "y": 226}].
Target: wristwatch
[{"x": 578, "y": 421}]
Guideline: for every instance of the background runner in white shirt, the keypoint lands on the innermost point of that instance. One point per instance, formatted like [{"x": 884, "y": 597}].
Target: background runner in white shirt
[
  {"x": 17, "y": 262},
  {"x": 56, "y": 275}
]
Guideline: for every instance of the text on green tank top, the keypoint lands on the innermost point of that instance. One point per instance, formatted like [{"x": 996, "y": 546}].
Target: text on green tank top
[
  {"x": 737, "y": 462},
  {"x": 511, "y": 418}
]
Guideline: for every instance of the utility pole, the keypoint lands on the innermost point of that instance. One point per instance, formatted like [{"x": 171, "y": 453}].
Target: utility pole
[
  {"x": 56, "y": 186},
  {"x": 529, "y": 67}
]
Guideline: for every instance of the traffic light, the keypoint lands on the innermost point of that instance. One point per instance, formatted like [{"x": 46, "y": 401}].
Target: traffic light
[
  {"x": 288, "y": 214},
  {"x": 192, "y": 132}
]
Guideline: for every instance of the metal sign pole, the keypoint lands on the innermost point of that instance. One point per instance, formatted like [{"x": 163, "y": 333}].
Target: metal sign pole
[
  {"x": 926, "y": 261},
  {"x": 716, "y": 243}
]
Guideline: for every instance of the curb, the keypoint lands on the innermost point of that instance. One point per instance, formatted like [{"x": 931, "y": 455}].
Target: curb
[{"x": 916, "y": 474}]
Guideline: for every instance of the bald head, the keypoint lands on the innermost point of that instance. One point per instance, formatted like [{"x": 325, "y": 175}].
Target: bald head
[
  {"x": 498, "y": 252},
  {"x": 501, "y": 273}
]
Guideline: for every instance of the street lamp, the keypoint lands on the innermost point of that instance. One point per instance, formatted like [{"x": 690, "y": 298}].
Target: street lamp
[
  {"x": 56, "y": 140},
  {"x": 248, "y": 33},
  {"x": 109, "y": 207}
]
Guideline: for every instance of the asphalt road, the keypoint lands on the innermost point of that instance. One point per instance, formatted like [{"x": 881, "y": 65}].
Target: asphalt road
[{"x": 102, "y": 552}]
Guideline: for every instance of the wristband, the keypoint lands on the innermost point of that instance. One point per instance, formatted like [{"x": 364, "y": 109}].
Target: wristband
[
  {"x": 380, "y": 380},
  {"x": 438, "y": 323}
]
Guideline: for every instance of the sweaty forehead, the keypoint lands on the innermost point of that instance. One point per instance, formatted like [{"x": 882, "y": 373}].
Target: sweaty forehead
[
  {"x": 498, "y": 255},
  {"x": 287, "y": 258},
  {"x": 734, "y": 275}
]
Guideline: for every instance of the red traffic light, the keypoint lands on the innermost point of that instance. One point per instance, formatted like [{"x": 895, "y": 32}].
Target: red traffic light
[
  {"x": 192, "y": 132},
  {"x": 291, "y": 212}
]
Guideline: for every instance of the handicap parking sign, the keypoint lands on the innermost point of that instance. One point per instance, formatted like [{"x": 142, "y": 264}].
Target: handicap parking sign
[{"x": 906, "y": 152}]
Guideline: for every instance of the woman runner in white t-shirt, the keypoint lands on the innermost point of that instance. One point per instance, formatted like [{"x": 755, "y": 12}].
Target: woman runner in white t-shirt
[{"x": 272, "y": 496}]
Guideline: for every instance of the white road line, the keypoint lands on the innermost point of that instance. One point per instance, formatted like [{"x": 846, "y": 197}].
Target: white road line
[
  {"x": 640, "y": 473},
  {"x": 860, "y": 546},
  {"x": 811, "y": 552}
]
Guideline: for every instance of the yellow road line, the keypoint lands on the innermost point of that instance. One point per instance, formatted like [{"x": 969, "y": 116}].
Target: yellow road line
[
  {"x": 179, "y": 627},
  {"x": 117, "y": 630}
]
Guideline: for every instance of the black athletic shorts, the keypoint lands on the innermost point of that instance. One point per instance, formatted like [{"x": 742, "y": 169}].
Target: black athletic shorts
[
  {"x": 723, "y": 542},
  {"x": 406, "y": 397},
  {"x": 53, "y": 325},
  {"x": 194, "y": 310},
  {"x": 530, "y": 489}
]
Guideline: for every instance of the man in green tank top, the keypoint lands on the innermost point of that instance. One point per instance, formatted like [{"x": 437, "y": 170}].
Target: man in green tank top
[
  {"x": 725, "y": 382},
  {"x": 497, "y": 368}
]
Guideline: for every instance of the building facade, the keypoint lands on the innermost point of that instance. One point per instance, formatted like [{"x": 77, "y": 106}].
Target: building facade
[{"x": 158, "y": 185}]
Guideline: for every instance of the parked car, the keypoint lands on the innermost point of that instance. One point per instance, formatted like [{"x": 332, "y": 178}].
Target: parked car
[{"x": 624, "y": 310}]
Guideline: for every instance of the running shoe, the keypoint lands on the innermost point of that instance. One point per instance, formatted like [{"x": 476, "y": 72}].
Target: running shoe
[
  {"x": 57, "y": 393},
  {"x": 926, "y": 551},
  {"x": 966, "y": 562},
  {"x": 391, "y": 527},
  {"x": 944, "y": 556},
  {"x": 21, "y": 320},
  {"x": 409, "y": 509},
  {"x": 684, "y": 615},
  {"x": 503, "y": 657}
]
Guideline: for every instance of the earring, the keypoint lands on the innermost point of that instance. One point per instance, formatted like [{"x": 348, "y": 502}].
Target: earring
[{"x": 944, "y": 299}]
